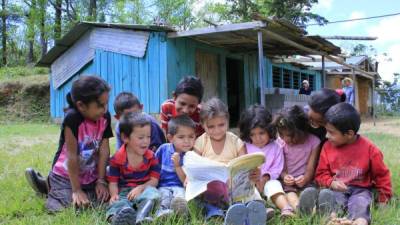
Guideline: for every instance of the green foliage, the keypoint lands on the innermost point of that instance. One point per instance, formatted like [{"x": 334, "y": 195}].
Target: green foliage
[
  {"x": 9, "y": 73},
  {"x": 177, "y": 13},
  {"x": 390, "y": 94}
]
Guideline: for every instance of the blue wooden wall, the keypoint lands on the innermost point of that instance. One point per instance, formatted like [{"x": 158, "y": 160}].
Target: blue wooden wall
[{"x": 146, "y": 77}]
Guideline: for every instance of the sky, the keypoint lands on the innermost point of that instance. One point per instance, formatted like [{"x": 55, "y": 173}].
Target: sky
[{"x": 386, "y": 29}]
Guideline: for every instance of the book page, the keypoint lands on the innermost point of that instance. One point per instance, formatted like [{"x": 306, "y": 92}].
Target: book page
[
  {"x": 199, "y": 172},
  {"x": 239, "y": 169}
]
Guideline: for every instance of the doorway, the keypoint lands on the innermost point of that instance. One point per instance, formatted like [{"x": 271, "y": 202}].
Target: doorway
[{"x": 235, "y": 89}]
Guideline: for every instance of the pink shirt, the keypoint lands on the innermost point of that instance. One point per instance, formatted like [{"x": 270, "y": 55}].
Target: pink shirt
[
  {"x": 296, "y": 156},
  {"x": 274, "y": 159}
]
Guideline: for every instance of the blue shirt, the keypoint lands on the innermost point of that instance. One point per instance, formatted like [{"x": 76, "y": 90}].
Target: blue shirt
[
  {"x": 157, "y": 137},
  {"x": 349, "y": 91},
  {"x": 168, "y": 176}
]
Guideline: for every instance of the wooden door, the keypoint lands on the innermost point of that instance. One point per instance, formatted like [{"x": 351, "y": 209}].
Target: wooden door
[{"x": 207, "y": 68}]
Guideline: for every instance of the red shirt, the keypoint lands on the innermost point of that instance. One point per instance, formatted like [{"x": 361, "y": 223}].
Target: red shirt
[
  {"x": 168, "y": 111},
  {"x": 125, "y": 175},
  {"x": 358, "y": 164}
]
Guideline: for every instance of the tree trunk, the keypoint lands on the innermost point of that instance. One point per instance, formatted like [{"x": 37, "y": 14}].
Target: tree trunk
[
  {"x": 42, "y": 26},
  {"x": 31, "y": 31},
  {"x": 4, "y": 31},
  {"x": 93, "y": 10},
  {"x": 57, "y": 20}
]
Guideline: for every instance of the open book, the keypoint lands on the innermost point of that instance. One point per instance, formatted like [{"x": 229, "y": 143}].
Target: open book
[{"x": 200, "y": 171}]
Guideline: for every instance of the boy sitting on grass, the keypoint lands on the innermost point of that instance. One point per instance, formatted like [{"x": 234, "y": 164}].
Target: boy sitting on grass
[
  {"x": 133, "y": 174},
  {"x": 181, "y": 135},
  {"x": 351, "y": 166}
]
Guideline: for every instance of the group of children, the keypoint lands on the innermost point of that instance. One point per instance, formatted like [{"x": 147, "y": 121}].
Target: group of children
[{"x": 297, "y": 176}]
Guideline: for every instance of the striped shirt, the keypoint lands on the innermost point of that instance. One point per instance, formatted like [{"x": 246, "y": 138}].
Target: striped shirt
[
  {"x": 168, "y": 111},
  {"x": 122, "y": 173}
]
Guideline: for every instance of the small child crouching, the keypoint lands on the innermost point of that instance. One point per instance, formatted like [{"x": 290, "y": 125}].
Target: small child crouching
[
  {"x": 181, "y": 135},
  {"x": 351, "y": 165},
  {"x": 133, "y": 174}
]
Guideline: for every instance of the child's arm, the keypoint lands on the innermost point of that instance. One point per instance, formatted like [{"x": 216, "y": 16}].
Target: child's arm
[
  {"x": 301, "y": 181},
  {"x": 113, "y": 188},
  {"x": 323, "y": 175},
  {"x": 78, "y": 196},
  {"x": 242, "y": 151},
  {"x": 176, "y": 158},
  {"x": 380, "y": 175},
  {"x": 101, "y": 184}
]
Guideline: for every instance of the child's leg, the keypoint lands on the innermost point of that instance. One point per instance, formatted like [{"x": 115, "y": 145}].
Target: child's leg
[
  {"x": 293, "y": 199},
  {"x": 120, "y": 207},
  {"x": 60, "y": 193},
  {"x": 144, "y": 203},
  {"x": 178, "y": 203},
  {"x": 308, "y": 200},
  {"x": 274, "y": 191},
  {"x": 359, "y": 203},
  {"x": 166, "y": 197}
]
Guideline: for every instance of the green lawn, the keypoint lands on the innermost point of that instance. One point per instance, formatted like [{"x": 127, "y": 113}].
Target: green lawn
[{"x": 33, "y": 145}]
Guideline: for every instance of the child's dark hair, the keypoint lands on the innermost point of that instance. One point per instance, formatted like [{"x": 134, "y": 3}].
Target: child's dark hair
[
  {"x": 344, "y": 117},
  {"x": 294, "y": 120},
  {"x": 323, "y": 99},
  {"x": 125, "y": 100},
  {"x": 180, "y": 121},
  {"x": 86, "y": 89},
  {"x": 253, "y": 117},
  {"x": 190, "y": 85},
  {"x": 131, "y": 120},
  {"x": 212, "y": 108}
]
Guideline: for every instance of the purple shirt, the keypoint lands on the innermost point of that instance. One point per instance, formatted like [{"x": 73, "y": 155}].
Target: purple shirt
[
  {"x": 274, "y": 160},
  {"x": 296, "y": 156}
]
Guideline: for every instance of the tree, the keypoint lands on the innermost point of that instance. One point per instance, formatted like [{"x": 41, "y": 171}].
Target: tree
[
  {"x": 4, "y": 31},
  {"x": 11, "y": 15},
  {"x": 57, "y": 19},
  {"x": 177, "y": 13},
  {"x": 390, "y": 93},
  {"x": 30, "y": 29}
]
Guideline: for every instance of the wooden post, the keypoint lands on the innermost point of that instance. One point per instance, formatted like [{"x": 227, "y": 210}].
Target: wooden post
[
  {"x": 261, "y": 67},
  {"x": 373, "y": 100},
  {"x": 323, "y": 72},
  {"x": 355, "y": 87}
]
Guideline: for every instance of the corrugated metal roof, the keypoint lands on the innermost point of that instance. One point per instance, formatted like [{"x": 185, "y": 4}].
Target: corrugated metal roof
[
  {"x": 242, "y": 37},
  {"x": 81, "y": 28}
]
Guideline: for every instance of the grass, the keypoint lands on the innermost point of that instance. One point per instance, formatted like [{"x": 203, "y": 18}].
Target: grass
[
  {"x": 11, "y": 73},
  {"x": 33, "y": 145}
]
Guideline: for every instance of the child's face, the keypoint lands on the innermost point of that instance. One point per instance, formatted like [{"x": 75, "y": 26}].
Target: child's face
[
  {"x": 216, "y": 127},
  {"x": 259, "y": 137},
  {"x": 96, "y": 109},
  {"x": 184, "y": 139},
  {"x": 287, "y": 137},
  {"x": 336, "y": 137},
  {"x": 186, "y": 104},
  {"x": 316, "y": 119},
  {"x": 139, "y": 140}
]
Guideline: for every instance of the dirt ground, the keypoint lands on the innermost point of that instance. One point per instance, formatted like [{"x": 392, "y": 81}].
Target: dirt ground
[{"x": 384, "y": 125}]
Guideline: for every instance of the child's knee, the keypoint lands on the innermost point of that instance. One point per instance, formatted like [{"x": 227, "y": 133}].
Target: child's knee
[{"x": 273, "y": 188}]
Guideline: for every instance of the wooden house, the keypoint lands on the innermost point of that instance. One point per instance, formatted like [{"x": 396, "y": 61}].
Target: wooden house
[{"x": 150, "y": 60}]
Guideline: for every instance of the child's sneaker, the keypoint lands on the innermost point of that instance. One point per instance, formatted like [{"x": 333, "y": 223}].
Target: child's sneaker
[
  {"x": 179, "y": 206},
  {"x": 257, "y": 214},
  {"x": 270, "y": 213},
  {"x": 125, "y": 216},
  {"x": 326, "y": 202},
  {"x": 36, "y": 181},
  {"x": 308, "y": 200},
  {"x": 236, "y": 214},
  {"x": 213, "y": 211},
  {"x": 162, "y": 213}
]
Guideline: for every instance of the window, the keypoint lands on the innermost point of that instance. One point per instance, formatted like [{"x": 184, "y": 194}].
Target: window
[
  {"x": 276, "y": 76},
  {"x": 287, "y": 81},
  {"x": 296, "y": 78}
]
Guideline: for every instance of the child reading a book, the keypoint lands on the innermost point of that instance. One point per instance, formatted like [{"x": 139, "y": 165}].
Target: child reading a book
[
  {"x": 301, "y": 150},
  {"x": 220, "y": 145},
  {"x": 260, "y": 136}
]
